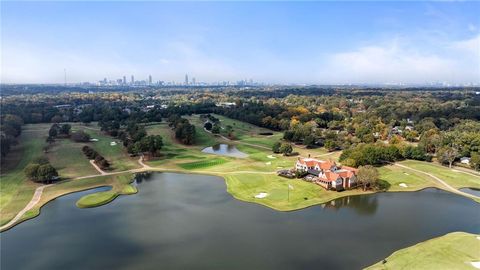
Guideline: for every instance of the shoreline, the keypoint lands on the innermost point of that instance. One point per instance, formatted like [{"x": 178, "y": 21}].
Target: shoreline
[{"x": 38, "y": 208}]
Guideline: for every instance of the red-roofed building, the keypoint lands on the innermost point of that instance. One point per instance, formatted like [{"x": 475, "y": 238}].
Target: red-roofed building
[{"x": 327, "y": 174}]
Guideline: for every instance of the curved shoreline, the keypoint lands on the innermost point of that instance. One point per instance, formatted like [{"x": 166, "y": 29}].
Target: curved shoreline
[{"x": 217, "y": 174}]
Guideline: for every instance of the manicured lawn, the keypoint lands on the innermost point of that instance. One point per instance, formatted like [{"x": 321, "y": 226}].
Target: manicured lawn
[
  {"x": 116, "y": 154},
  {"x": 243, "y": 132},
  {"x": 453, "y": 177},
  {"x": 451, "y": 251},
  {"x": 15, "y": 189},
  {"x": 202, "y": 164},
  {"x": 244, "y": 186},
  {"x": 67, "y": 157},
  {"x": 163, "y": 130},
  {"x": 202, "y": 138},
  {"x": 96, "y": 199},
  {"x": 395, "y": 176}
]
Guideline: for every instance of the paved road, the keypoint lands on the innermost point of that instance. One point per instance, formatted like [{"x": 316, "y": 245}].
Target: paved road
[
  {"x": 36, "y": 198},
  {"x": 443, "y": 183}
]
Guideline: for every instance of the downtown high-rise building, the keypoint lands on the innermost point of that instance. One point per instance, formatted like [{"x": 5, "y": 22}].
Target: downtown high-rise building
[
  {"x": 124, "y": 79},
  {"x": 150, "y": 79},
  {"x": 186, "y": 79},
  {"x": 133, "y": 80}
]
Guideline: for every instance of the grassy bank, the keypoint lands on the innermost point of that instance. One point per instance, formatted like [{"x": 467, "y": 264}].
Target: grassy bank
[
  {"x": 452, "y": 251},
  {"x": 121, "y": 184}
]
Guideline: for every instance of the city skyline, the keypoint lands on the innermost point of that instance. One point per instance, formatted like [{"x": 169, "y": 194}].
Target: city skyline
[{"x": 285, "y": 43}]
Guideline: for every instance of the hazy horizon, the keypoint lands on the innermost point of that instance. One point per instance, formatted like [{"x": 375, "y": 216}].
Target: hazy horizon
[{"x": 283, "y": 42}]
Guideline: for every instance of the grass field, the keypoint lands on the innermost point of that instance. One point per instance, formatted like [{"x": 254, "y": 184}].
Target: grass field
[
  {"x": 396, "y": 175},
  {"x": 452, "y": 251},
  {"x": 202, "y": 164},
  {"x": 67, "y": 157},
  {"x": 453, "y": 177},
  {"x": 116, "y": 155},
  {"x": 244, "y": 186},
  {"x": 96, "y": 199},
  {"x": 243, "y": 132},
  {"x": 104, "y": 197},
  {"x": 15, "y": 189}
]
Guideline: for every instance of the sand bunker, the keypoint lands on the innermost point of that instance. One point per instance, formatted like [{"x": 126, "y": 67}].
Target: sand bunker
[
  {"x": 403, "y": 185},
  {"x": 476, "y": 264},
  {"x": 270, "y": 156},
  {"x": 261, "y": 195}
]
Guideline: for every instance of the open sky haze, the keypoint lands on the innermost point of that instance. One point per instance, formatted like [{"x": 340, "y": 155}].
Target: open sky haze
[{"x": 275, "y": 42}]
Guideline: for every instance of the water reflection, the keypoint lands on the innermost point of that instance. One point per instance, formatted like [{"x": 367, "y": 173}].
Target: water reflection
[
  {"x": 182, "y": 221},
  {"x": 142, "y": 176},
  {"x": 473, "y": 191},
  {"x": 225, "y": 150},
  {"x": 363, "y": 205}
]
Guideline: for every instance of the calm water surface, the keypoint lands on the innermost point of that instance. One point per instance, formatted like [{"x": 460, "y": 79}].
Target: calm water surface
[
  {"x": 180, "y": 221},
  {"x": 225, "y": 150},
  {"x": 473, "y": 191}
]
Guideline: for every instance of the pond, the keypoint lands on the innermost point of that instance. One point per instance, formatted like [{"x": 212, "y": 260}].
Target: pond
[
  {"x": 473, "y": 191},
  {"x": 181, "y": 221},
  {"x": 225, "y": 150}
]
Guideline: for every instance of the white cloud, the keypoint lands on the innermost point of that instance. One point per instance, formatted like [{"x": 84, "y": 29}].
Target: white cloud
[
  {"x": 396, "y": 62},
  {"x": 468, "y": 46}
]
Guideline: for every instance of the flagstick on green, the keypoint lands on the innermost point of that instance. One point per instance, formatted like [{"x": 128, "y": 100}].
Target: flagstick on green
[{"x": 288, "y": 191}]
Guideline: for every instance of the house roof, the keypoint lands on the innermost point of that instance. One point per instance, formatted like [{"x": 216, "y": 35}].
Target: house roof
[
  {"x": 355, "y": 170},
  {"x": 326, "y": 165},
  {"x": 345, "y": 173},
  {"x": 310, "y": 162},
  {"x": 329, "y": 176}
]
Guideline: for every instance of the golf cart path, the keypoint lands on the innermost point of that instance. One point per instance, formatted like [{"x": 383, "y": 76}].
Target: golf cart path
[
  {"x": 35, "y": 199},
  {"x": 102, "y": 172}
]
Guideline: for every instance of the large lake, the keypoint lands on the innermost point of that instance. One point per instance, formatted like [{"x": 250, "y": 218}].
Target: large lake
[{"x": 181, "y": 221}]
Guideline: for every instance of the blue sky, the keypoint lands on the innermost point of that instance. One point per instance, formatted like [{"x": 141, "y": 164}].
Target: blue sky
[{"x": 276, "y": 42}]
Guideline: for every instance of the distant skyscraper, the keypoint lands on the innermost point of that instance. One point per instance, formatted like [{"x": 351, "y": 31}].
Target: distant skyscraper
[
  {"x": 150, "y": 79},
  {"x": 124, "y": 80},
  {"x": 193, "y": 81},
  {"x": 186, "y": 79},
  {"x": 133, "y": 79}
]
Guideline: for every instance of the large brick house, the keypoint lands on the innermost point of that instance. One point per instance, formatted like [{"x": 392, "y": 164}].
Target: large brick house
[{"x": 327, "y": 173}]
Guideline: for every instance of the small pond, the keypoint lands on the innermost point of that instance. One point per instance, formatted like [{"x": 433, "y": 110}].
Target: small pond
[
  {"x": 184, "y": 221},
  {"x": 225, "y": 150}
]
